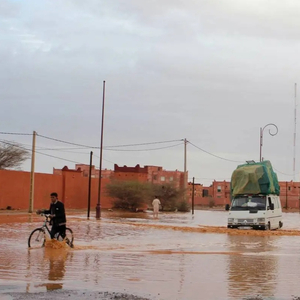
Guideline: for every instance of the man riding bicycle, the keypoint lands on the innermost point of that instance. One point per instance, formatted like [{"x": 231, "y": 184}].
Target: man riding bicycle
[{"x": 57, "y": 215}]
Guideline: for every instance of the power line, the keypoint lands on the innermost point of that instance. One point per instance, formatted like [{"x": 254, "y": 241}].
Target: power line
[
  {"x": 65, "y": 142},
  {"x": 94, "y": 147},
  {"x": 214, "y": 154},
  {"x": 143, "y": 144},
  {"x": 283, "y": 173},
  {"x": 103, "y": 158},
  {"x": 76, "y": 162},
  {"x": 61, "y": 158},
  {"x": 61, "y": 149},
  {"x": 12, "y": 143},
  {"x": 145, "y": 149},
  {"x": 19, "y": 146},
  {"x": 15, "y": 133},
  {"x": 85, "y": 147}
]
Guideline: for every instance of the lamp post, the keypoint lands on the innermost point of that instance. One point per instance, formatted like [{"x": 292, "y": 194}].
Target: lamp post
[
  {"x": 261, "y": 137},
  {"x": 98, "y": 207}
]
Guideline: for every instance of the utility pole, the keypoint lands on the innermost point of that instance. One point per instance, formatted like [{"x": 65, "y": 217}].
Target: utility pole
[
  {"x": 286, "y": 195},
  {"x": 90, "y": 182},
  {"x": 31, "y": 197},
  {"x": 260, "y": 143},
  {"x": 185, "y": 177},
  {"x": 295, "y": 128},
  {"x": 98, "y": 207},
  {"x": 193, "y": 195}
]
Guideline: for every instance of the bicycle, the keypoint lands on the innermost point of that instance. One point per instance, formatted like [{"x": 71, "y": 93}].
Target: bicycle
[{"x": 38, "y": 236}]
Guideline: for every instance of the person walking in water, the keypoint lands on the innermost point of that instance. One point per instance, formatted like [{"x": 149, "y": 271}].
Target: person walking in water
[{"x": 155, "y": 203}]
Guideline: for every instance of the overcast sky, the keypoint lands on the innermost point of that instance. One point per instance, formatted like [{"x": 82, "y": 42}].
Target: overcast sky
[{"x": 213, "y": 72}]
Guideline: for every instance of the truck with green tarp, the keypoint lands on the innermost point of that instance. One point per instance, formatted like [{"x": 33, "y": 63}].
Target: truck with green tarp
[
  {"x": 254, "y": 178},
  {"x": 255, "y": 198}
]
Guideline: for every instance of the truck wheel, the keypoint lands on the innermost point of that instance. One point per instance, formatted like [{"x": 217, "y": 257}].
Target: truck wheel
[
  {"x": 280, "y": 224},
  {"x": 267, "y": 226}
]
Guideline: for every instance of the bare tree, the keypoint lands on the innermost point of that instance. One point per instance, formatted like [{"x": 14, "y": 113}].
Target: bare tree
[{"x": 12, "y": 155}]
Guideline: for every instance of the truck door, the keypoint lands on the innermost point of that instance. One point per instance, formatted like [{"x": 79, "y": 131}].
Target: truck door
[{"x": 270, "y": 212}]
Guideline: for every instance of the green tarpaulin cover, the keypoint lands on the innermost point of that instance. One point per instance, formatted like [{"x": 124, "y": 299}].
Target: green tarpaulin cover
[{"x": 254, "y": 178}]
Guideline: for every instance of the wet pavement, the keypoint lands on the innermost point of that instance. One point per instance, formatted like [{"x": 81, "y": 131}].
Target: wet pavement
[{"x": 130, "y": 256}]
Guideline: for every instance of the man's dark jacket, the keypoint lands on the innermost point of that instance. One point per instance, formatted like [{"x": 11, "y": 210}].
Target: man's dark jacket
[{"x": 58, "y": 210}]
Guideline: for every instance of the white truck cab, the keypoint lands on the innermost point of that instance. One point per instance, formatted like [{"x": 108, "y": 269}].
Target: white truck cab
[{"x": 255, "y": 211}]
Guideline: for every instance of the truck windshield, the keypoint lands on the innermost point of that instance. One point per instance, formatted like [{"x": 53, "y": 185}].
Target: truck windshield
[{"x": 249, "y": 203}]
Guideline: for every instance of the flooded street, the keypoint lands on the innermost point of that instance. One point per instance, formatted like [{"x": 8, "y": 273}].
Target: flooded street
[{"x": 178, "y": 256}]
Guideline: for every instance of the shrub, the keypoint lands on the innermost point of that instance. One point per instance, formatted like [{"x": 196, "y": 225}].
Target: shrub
[
  {"x": 128, "y": 194},
  {"x": 183, "y": 206},
  {"x": 168, "y": 194}
]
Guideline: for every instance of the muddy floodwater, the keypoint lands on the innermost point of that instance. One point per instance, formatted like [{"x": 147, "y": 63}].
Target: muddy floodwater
[{"x": 180, "y": 256}]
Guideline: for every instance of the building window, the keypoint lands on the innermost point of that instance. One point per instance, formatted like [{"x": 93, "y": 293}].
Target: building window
[
  {"x": 155, "y": 177},
  {"x": 204, "y": 193},
  {"x": 171, "y": 178},
  {"x": 162, "y": 178},
  {"x": 219, "y": 189}
]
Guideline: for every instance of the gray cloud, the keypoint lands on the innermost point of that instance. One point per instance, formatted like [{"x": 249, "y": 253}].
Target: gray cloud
[{"x": 209, "y": 71}]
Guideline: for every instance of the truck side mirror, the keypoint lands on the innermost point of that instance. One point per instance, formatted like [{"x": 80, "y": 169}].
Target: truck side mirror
[
  {"x": 272, "y": 206},
  {"x": 227, "y": 206}
]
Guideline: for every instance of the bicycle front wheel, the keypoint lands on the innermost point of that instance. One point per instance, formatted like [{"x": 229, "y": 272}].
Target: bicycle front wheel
[
  {"x": 69, "y": 237},
  {"x": 36, "y": 238}
]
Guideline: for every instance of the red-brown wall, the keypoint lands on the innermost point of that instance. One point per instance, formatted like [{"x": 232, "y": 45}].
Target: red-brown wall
[
  {"x": 14, "y": 189},
  {"x": 71, "y": 187}
]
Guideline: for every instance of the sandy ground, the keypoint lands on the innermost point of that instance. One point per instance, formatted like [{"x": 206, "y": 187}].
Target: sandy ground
[{"x": 219, "y": 229}]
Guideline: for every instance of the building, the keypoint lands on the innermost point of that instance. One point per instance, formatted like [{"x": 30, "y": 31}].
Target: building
[
  {"x": 217, "y": 194},
  {"x": 85, "y": 169},
  {"x": 152, "y": 174}
]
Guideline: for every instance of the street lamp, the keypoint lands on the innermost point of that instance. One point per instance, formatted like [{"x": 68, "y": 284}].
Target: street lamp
[{"x": 261, "y": 137}]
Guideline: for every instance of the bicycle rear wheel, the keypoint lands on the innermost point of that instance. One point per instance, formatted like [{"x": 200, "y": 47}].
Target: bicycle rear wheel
[
  {"x": 69, "y": 237},
  {"x": 36, "y": 238}
]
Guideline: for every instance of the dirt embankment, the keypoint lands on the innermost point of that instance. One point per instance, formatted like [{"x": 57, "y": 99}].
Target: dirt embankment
[{"x": 220, "y": 229}]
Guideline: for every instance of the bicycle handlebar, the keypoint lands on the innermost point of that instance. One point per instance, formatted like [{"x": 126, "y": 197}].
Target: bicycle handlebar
[{"x": 47, "y": 216}]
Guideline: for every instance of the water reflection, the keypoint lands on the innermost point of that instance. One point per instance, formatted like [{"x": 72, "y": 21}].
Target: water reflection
[
  {"x": 57, "y": 259},
  {"x": 30, "y": 218},
  {"x": 254, "y": 272},
  {"x": 47, "y": 265}
]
